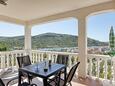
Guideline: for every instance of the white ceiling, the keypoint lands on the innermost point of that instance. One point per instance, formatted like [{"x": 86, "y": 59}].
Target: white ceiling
[{"x": 31, "y": 9}]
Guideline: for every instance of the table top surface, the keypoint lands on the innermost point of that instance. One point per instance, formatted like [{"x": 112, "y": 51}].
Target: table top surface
[{"x": 37, "y": 69}]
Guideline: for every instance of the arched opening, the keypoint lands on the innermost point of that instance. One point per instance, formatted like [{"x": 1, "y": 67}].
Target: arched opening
[
  {"x": 56, "y": 36},
  {"x": 98, "y": 32},
  {"x": 98, "y": 44},
  {"x": 11, "y": 36}
]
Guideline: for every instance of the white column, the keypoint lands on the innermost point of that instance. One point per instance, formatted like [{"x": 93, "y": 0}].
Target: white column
[
  {"x": 82, "y": 46},
  {"x": 28, "y": 39}
]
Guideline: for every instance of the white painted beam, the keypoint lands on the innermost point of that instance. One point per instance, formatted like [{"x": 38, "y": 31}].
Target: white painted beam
[
  {"x": 75, "y": 13},
  {"x": 12, "y": 20}
]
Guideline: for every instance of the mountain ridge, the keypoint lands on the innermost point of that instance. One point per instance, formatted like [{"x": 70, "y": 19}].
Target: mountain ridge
[{"x": 47, "y": 40}]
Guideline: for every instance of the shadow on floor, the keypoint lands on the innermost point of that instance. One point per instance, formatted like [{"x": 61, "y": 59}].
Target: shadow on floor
[{"x": 86, "y": 82}]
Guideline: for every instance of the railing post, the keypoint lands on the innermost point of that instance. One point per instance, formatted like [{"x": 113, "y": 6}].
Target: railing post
[
  {"x": 49, "y": 56},
  {"x": 105, "y": 68},
  {"x": 16, "y": 60},
  {"x": 12, "y": 59},
  {"x": 42, "y": 56},
  {"x": 2, "y": 61},
  {"x": 70, "y": 63},
  {"x": 7, "y": 60},
  {"x": 90, "y": 66},
  {"x": 98, "y": 66},
  {"x": 114, "y": 69},
  {"x": 56, "y": 55},
  {"x": 38, "y": 57},
  {"x": 53, "y": 59}
]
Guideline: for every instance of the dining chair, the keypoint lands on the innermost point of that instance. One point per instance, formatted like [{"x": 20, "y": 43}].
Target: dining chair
[
  {"x": 1, "y": 82},
  {"x": 8, "y": 76},
  {"x": 8, "y": 84},
  {"x": 62, "y": 59},
  {"x": 25, "y": 61},
  {"x": 69, "y": 77}
]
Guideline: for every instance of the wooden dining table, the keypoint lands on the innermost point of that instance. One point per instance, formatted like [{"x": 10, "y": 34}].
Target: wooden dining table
[{"x": 37, "y": 70}]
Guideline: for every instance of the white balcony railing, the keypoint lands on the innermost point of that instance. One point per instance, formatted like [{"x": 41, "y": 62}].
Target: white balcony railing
[
  {"x": 97, "y": 65},
  {"x": 38, "y": 56},
  {"x": 100, "y": 66},
  {"x": 8, "y": 59}
]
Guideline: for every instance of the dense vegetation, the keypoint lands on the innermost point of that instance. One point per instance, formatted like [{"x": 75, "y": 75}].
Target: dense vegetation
[{"x": 45, "y": 41}]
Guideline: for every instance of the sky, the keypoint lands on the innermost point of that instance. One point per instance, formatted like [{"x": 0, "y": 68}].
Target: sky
[{"x": 98, "y": 27}]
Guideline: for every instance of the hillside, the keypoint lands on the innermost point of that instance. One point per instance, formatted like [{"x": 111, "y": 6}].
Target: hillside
[{"x": 47, "y": 40}]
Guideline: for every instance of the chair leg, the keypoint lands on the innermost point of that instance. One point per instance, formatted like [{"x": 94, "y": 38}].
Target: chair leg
[
  {"x": 29, "y": 80},
  {"x": 69, "y": 83}
]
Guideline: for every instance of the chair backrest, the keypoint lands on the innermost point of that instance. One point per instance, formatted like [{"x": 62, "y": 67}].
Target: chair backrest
[
  {"x": 1, "y": 82},
  {"x": 23, "y": 61},
  {"x": 62, "y": 59},
  {"x": 72, "y": 72}
]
